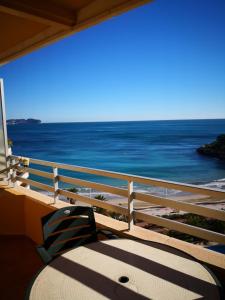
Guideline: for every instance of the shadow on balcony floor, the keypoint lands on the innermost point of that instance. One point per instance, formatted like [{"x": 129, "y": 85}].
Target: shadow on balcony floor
[{"x": 19, "y": 261}]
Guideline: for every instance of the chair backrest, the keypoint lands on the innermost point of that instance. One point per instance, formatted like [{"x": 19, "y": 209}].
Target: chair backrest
[{"x": 67, "y": 228}]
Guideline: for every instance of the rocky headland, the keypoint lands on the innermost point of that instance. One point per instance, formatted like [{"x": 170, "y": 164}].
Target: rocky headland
[
  {"x": 22, "y": 121},
  {"x": 214, "y": 149}
]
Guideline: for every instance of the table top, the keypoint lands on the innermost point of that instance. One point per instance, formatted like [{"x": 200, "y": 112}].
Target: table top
[{"x": 124, "y": 269}]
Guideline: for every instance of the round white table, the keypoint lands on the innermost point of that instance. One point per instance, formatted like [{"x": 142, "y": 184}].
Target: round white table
[{"x": 124, "y": 269}]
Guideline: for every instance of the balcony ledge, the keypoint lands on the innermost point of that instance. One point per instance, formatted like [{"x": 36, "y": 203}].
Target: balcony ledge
[{"x": 31, "y": 206}]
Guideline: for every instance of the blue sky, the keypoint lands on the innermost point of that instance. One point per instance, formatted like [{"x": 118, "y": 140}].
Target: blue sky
[{"x": 165, "y": 60}]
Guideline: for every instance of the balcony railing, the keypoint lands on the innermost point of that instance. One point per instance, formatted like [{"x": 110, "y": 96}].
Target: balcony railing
[{"x": 129, "y": 193}]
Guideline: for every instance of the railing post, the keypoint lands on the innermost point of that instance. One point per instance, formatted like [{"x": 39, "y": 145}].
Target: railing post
[
  {"x": 130, "y": 205},
  {"x": 13, "y": 172},
  {"x": 56, "y": 184},
  {"x": 26, "y": 175},
  {"x": 9, "y": 171}
]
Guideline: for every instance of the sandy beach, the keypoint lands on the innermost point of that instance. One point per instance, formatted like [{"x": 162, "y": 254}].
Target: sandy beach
[{"x": 157, "y": 210}]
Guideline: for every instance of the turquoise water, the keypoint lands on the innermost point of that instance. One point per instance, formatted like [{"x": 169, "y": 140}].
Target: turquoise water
[{"x": 160, "y": 149}]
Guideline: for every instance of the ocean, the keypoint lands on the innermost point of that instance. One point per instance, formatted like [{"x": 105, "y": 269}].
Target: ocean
[{"x": 159, "y": 149}]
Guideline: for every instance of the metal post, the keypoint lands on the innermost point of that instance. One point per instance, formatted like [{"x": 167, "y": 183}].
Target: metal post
[
  {"x": 27, "y": 175},
  {"x": 56, "y": 184},
  {"x": 9, "y": 171},
  {"x": 130, "y": 205},
  {"x": 13, "y": 174}
]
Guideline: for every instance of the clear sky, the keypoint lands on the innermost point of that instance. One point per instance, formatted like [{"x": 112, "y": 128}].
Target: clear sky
[{"x": 165, "y": 60}]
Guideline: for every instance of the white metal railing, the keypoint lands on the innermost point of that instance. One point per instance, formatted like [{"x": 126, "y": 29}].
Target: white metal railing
[{"x": 128, "y": 193}]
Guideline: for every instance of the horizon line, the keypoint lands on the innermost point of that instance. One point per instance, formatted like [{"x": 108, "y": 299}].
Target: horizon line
[{"x": 114, "y": 121}]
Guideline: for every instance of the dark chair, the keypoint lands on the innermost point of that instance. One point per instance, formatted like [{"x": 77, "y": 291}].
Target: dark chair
[{"x": 66, "y": 228}]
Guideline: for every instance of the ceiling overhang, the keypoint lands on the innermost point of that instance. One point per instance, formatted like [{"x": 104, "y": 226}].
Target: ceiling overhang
[{"x": 27, "y": 25}]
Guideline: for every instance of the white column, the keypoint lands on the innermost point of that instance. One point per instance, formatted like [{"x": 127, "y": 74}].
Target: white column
[
  {"x": 13, "y": 172},
  {"x": 56, "y": 184},
  {"x": 130, "y": 205}
]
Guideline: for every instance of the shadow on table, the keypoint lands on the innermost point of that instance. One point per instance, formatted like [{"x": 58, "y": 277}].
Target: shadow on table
[
  {"x": 94, "y": 280},
  {"x": 184, "y": 280},
  {"x": 107, "y": 287}
]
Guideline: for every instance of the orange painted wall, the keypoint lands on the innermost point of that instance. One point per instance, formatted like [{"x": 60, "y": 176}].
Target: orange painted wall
[
  {"x": 21, "y": 211},
  {"x": 11, "y": 212},
  {"x": 34, "y": 211}
]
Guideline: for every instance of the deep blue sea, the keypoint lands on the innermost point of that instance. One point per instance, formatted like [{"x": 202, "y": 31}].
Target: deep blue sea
[{"x": 160, "y": 149}]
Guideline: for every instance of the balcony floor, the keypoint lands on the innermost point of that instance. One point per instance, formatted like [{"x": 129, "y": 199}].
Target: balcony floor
[{"x": 19, "y": 261}]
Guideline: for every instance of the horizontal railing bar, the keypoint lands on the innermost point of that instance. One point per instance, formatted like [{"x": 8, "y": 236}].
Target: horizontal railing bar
[
  {"x": 138, "y": 179},
  {"x": 94, "y": 185},
  {"x": 42, "y": 186},
  {"x": 181, "y": 227},
  {"x": 94, "y": 202},
  {"x": 40, "y": 173},
  {"x": 182, "y": 187},
  {"x": 8, "y": 168},
  {"x": 81, "y": 169},
  {"x": 187, "y": 207}
]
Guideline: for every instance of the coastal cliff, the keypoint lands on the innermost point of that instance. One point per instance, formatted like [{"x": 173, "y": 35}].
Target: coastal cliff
[
  {"x": 22, "y": 121},
  {"x": 214, "y": 149}
]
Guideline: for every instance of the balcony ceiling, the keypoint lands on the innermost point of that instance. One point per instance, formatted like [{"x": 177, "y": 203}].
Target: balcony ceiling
[{"x": 27, "y": 25}]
